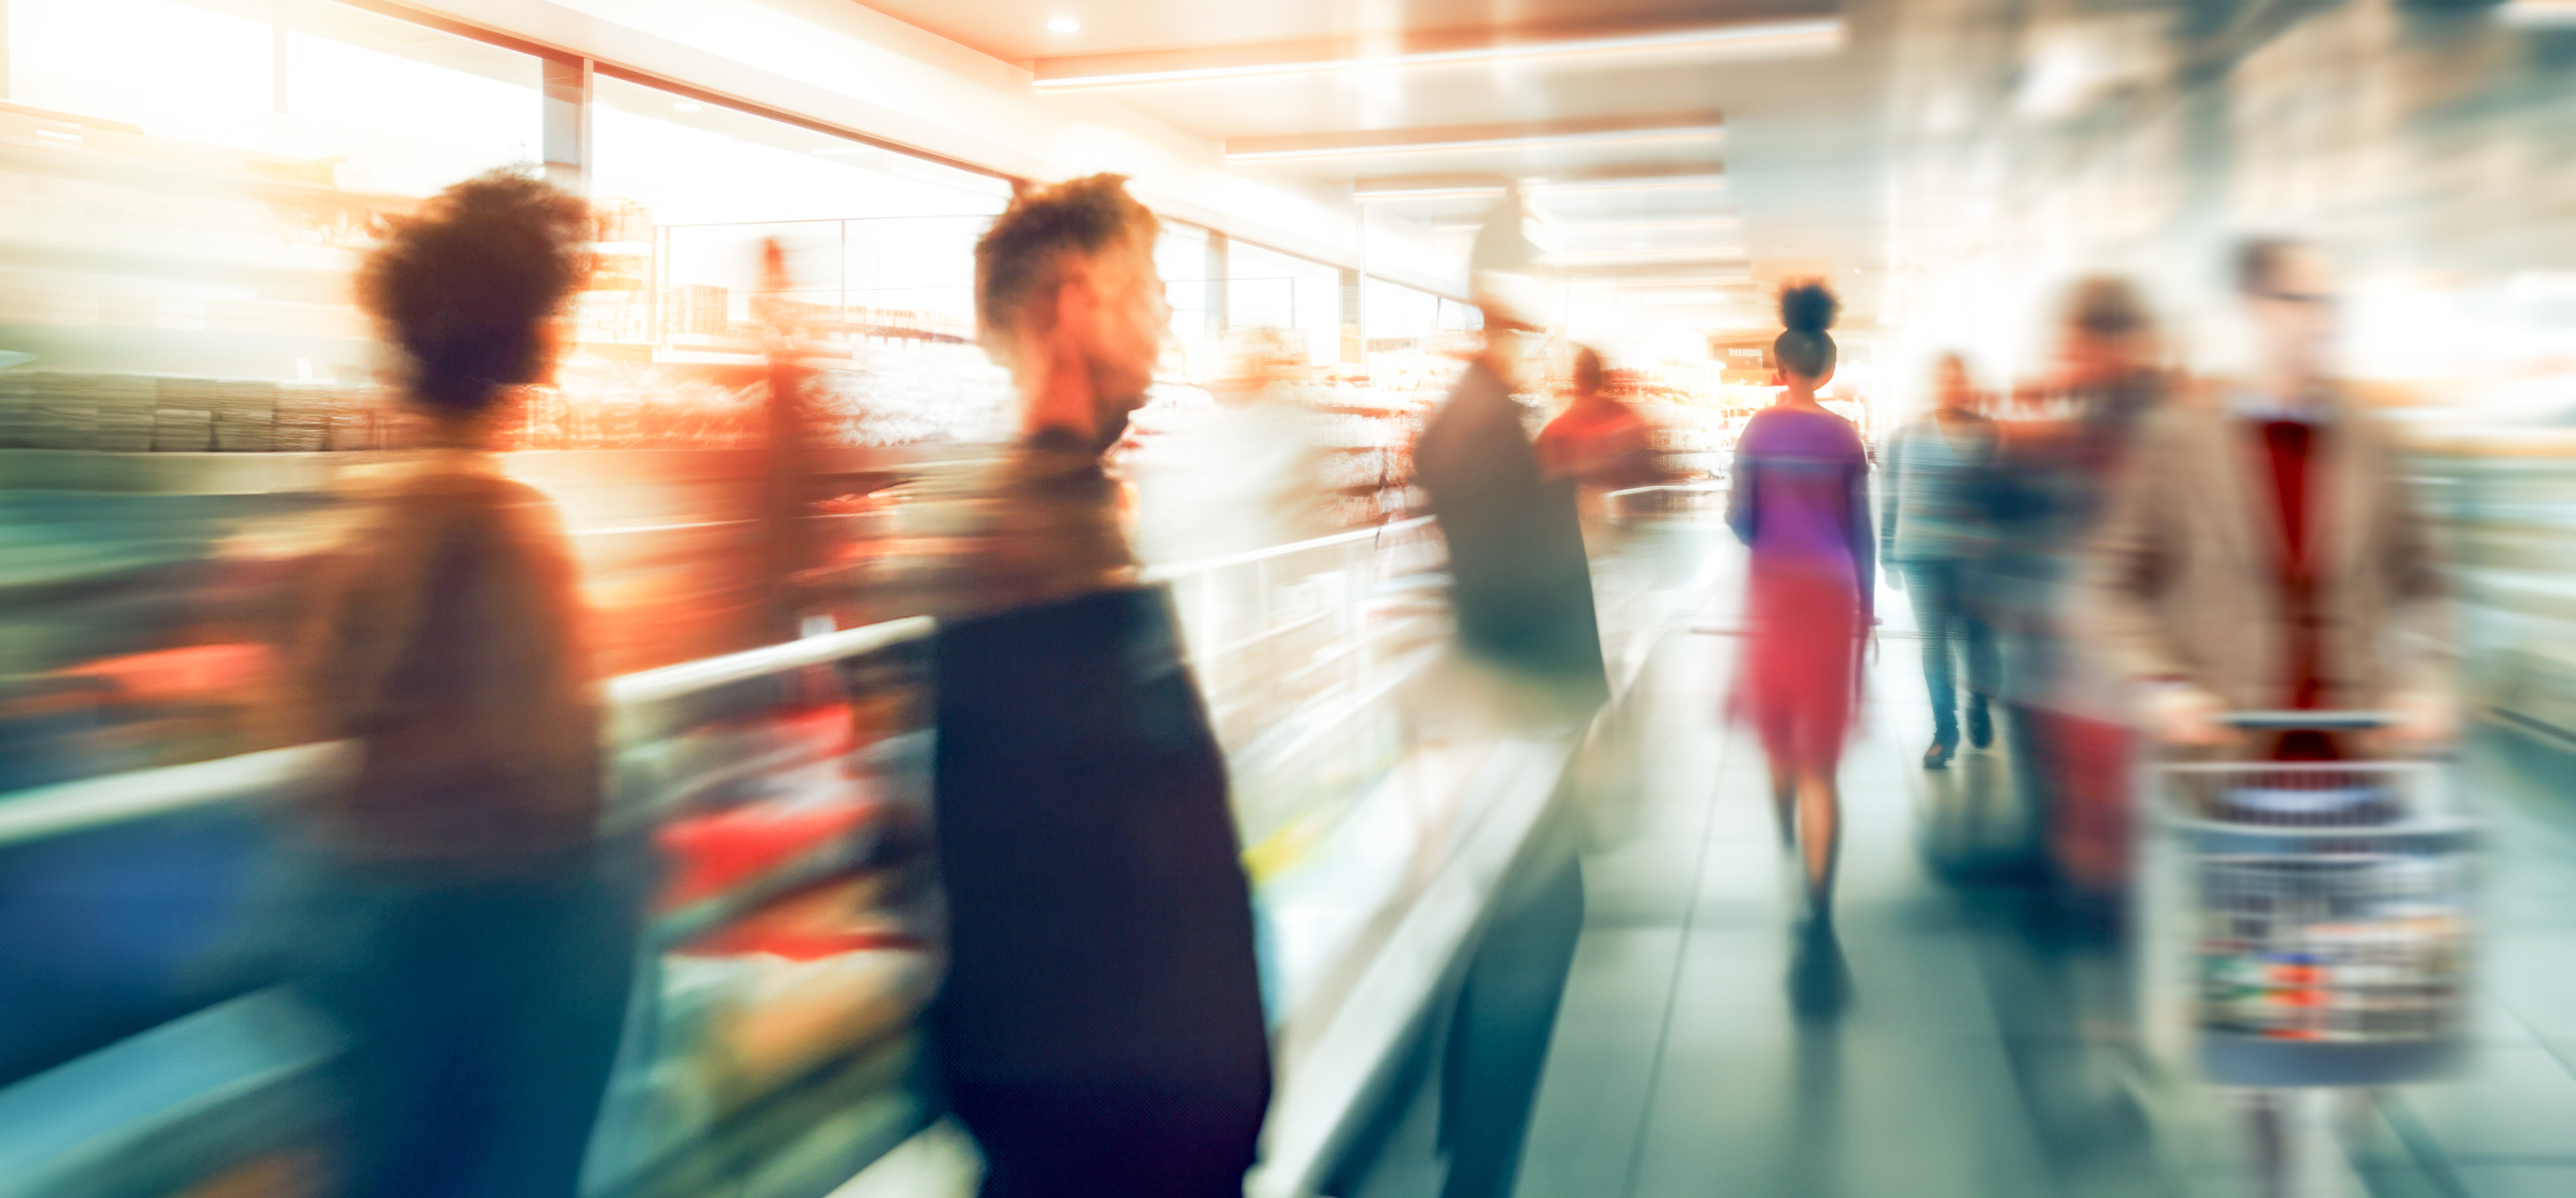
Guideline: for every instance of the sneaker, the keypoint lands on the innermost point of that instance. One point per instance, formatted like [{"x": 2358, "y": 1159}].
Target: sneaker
[
  {"x": 1981, "y": 726},
  {"x": 1938, "y": 756}
]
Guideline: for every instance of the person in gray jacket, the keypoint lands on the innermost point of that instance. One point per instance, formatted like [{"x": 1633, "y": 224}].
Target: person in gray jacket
[{"x": 1932, "y": 528}]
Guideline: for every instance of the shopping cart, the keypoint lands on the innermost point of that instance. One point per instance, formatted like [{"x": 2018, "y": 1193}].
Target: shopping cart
[{"x": 2328, "y": 912}]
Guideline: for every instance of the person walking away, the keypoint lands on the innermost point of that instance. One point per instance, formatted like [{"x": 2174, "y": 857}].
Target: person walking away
[
  {"x": 2264, "y": 550},
  {"x": 2063, "y": 719},
  {"x": 1932, "y": 530},
  {"x": 1521, "y": 585},
  {"x": 1599, "y": 442},
  {"x": 1800, "y": 503},
  {"x": 470, "y": 933},
  {"x": 1100, "y": 1032},
  {"x": 1520, "y": 580}
]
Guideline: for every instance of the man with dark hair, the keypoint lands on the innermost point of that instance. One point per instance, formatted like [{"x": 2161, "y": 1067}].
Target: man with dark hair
[
  {"x": 2264, "y": 551},
  {"x": 1101, "y": 1030}
]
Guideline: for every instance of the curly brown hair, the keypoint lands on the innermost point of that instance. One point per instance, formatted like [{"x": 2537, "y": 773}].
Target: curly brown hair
[
  {"x": 466, "y": 285},
  {"x": 1021, "y": 257}
]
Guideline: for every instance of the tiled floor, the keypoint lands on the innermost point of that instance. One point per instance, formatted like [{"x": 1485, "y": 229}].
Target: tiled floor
[{"x": 1987, "y": 1047}]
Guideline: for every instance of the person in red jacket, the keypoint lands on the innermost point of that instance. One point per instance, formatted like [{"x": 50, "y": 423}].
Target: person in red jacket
[{"x": 1598, "y": 441}]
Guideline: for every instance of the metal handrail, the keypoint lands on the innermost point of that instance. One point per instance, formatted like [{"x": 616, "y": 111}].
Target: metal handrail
[
  {"x": 688, "y": 677},
  {"x": 67, "y": 807},
  {"x": 1706, "y": 486},
  {"x": 1204, "y": 565}
]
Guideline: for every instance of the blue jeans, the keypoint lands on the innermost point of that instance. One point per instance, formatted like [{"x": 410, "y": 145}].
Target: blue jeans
[
  {"x": 1939, "y": 588},
  {"x": 483, "y": 1014}
]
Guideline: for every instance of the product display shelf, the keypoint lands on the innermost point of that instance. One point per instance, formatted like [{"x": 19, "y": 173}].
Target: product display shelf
[
  {"x": 768, "y": 1040},
  {"x": 790, "y": 949},
  {"x": 2504, "y": 509},
  {"x": 770, "y": 1047}
]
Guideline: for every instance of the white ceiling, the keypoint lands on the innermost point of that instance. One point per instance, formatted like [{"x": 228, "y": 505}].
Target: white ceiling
[
  {"x": 1016, "y": 30},
  {"x": 1799, "y": 154}
]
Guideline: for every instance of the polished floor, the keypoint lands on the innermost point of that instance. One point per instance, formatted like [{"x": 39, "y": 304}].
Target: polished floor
[{"x": 1986, "y": 1044}]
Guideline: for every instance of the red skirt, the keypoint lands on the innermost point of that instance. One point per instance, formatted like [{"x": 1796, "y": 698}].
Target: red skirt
[{"x": 1799, "y": 683}]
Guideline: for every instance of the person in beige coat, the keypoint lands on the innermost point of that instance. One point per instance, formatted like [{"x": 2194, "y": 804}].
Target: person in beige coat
[{"x": 2262, "y": 549}]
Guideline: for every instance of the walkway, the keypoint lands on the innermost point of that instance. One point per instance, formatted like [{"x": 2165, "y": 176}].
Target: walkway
[{"x": 1985, "y": 1051}]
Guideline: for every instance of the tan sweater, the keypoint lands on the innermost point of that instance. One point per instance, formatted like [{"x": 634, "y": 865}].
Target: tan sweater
[{"x": 445, "y": 637}]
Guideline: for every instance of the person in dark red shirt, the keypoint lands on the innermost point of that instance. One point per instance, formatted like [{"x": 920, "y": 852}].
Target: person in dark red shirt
[{"x": 2263, "y": 549}]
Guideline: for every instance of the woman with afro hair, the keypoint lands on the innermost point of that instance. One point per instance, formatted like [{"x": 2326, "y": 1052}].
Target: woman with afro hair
[
  {"x": 1800, "y": 503},
  {"x": 464, "y": 931}
]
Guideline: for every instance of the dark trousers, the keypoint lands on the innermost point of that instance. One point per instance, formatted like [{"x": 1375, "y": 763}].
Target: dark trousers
[
  {"x": 1102, "y": 1138},
  {"x": 1951, "y": 631},
  {"x": 483, "y": 1017},
  {"x": 1499, "y": 1035}
]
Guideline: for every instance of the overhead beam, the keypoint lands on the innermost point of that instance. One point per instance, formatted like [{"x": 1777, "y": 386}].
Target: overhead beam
[
  {"x": 1682, "y": 176},
  {"x": 1789, "y": 38},
  {"x": 1506, "y": 135},
  {"x": 1612, "y": 259},
  {"x": 1711, "y": 273}
]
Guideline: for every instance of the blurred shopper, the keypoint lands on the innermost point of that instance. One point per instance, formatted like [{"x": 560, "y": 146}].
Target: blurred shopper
[
  {"x": 466, "y": 933},
  {"x": 788, "y": 545},
  {"x": 1800, "y": 501},
  {"x": 1101, "y": 1029},
  {"x": 1598, "y": 441},
  {"x": 1602, "y": 446},
  {"x": 1933, "y": 531},
  {"x": 1519, "y": 578},
  {"x": 2064, "y": 718},
  {"x": 1248, "y": 471},
  {"x": 1522, "y": 588},
  {"x": 2264, "y": 550}
]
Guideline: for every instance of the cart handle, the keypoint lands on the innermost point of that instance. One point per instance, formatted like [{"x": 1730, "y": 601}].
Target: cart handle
[{"x": 2307, "y": 721}]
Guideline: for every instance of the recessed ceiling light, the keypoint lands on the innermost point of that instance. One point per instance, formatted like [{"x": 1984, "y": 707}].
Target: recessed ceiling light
[
  {"x": 688, "y": 106},
  {"x": 1064, "y": 25}
]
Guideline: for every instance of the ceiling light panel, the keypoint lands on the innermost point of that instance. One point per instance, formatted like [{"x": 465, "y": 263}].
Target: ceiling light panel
[
  {"x": 1524, "y": 135},
  {"x": 1772, "y": 39}
]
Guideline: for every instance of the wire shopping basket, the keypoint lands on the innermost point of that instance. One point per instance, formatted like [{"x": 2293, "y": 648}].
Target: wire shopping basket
[{"x": 2330, "y": 918}]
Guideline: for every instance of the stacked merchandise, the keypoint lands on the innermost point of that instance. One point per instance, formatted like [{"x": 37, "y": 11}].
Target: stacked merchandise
[
  {"x": 184, "y": 419},
  {"x": 49, "y": 410},
  {"x": 1693, "y": 415},
  {"x": 17, "y": 415},
  {"x": 245, "y": 416},
  {"x": 168, "y": 255},
  {"x": 909, "y": 324},
  {"x": 111, "y": 413},
  {"x": 304, "y": 412},
  {"x": 909, "y": 394},
  {"x": 19, "y": 427},
  {"x": 1371, "y": 434},
  {"x": 125, "y": 413},
  {"x": 65, "y": 414},
  {"x": 697, "y": 310},
  {"x": 2354, "y": 951}
]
